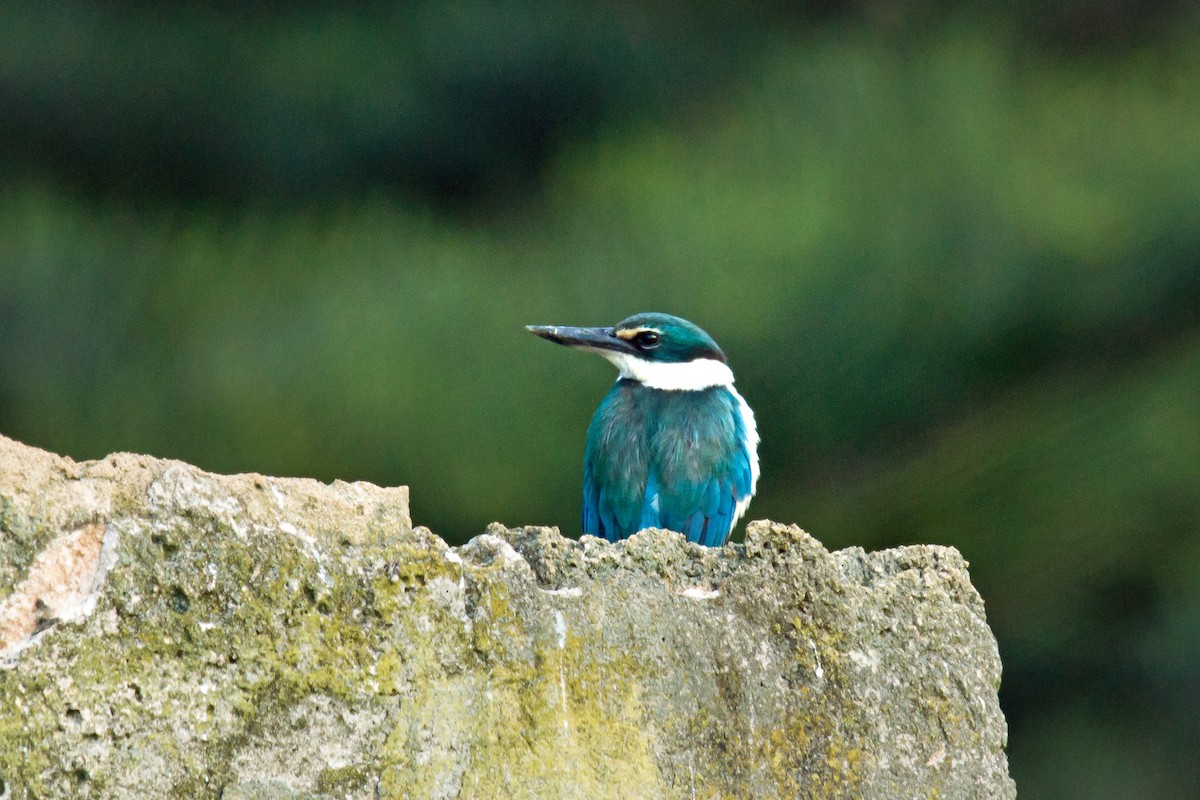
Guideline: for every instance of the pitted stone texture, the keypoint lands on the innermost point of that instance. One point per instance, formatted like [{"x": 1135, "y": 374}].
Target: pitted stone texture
[{"x": 265, "y": 637}]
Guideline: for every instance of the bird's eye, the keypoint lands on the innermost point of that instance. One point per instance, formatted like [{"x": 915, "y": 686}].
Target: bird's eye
[{"x": 648, "y": 340}]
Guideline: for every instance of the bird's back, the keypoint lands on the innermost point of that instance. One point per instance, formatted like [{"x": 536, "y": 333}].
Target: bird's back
[{"x": 681, "y": 460}]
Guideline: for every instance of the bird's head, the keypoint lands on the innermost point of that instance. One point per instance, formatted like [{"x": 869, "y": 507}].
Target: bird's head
[{"x": 657, "y": 350}]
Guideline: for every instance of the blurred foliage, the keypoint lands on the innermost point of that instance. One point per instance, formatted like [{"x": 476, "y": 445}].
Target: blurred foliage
[
  {"x": 952, "y": 253},
  {"x": 445, "y": 100},
  {"x": 449, "y": 101}
]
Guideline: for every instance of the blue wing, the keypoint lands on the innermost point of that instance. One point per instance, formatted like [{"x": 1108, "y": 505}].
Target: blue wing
[
  {"x": 709, "y": 517},
  {"x": 706, "y": 517},
  {"x": 704, "y": 513},
  {"x": 601, "y": 516},
  {"x": 645, "y": 470},
  {"x": 591, "y": 507},
  {"x": 651, "y": 503}
]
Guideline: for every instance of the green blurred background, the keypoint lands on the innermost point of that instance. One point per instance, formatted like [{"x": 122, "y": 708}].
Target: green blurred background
[{"x": 952, "y": 251}]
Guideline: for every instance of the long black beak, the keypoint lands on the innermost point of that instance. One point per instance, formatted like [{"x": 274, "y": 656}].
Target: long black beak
[{"x": 595, "y": 338}]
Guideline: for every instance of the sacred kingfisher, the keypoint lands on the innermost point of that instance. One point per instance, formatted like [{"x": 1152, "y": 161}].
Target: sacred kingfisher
[{"x": 672, "y": 445}]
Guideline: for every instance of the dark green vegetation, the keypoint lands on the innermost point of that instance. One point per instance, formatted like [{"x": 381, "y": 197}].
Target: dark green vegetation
[{"x": 954, "y": 262}]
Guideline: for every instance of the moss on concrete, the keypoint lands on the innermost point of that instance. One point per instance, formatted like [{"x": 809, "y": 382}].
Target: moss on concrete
[{"x": 247, "y": 644}]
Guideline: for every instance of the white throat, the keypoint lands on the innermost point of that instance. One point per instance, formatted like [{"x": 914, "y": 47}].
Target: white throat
[{"x": 700, "y": 373}]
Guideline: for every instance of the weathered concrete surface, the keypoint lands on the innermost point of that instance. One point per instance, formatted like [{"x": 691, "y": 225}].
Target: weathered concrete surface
[{"x": 169, "y": 633}]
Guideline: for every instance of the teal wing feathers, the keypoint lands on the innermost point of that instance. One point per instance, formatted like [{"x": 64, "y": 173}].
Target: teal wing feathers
[{"x": 677, "y": 460}]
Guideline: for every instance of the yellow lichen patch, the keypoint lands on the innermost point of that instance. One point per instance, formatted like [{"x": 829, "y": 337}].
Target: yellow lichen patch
[{"x": 569, "y": 726}]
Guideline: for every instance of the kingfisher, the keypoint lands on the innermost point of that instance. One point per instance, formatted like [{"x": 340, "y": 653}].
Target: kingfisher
[{"x": 672, "y": 445}]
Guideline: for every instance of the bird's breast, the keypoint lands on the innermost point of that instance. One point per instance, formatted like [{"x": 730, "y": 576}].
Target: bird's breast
[{"x": 638, "y": 428}]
